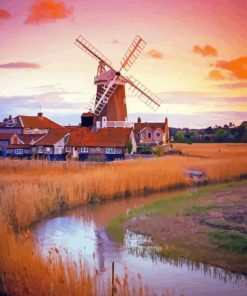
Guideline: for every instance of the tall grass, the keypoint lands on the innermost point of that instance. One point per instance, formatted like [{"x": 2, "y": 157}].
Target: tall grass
[{"x": 31, "y": 190}]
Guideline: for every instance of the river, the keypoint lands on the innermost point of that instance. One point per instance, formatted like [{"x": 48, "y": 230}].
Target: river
[{"x": 82, "y": 233}]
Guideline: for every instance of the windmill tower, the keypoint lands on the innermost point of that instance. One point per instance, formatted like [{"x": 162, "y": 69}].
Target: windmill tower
[{"x": 108, "y": 107}]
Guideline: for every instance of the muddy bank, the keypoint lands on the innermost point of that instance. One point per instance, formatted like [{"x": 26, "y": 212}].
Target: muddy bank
[{"x": 207, "y": 225}]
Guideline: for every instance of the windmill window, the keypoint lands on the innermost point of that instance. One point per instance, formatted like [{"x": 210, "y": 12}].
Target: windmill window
[
  {"x": 84, "y": 149},
  {"x": 19, "y": 151}
]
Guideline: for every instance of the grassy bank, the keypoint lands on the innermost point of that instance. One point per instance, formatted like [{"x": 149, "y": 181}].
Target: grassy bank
[
  {"x": 208, "y": 225},
  {"x": 32, "y": 190}
]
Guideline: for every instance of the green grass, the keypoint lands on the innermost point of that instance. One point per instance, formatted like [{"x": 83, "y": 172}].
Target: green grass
[
  {"x": 115, "y": 228},
  {"x": 198, "y": 210},
  {"x": 230, "y": 241}
]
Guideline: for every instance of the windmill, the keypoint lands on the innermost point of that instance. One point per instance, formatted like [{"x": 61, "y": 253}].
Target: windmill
[{"x": 109, "y": 104}]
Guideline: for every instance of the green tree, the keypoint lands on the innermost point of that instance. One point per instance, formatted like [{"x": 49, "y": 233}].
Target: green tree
[
  {"x": 129, "y": 146},
  {"x": 179, "y": 136},
  {"x": 159, "y": 151}
]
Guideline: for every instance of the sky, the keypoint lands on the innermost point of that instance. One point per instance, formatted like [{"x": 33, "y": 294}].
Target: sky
[{"x": 195, "y": 59}]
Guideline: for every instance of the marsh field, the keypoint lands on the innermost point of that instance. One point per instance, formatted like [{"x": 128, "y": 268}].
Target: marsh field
[{"x": 205, "y": 223}]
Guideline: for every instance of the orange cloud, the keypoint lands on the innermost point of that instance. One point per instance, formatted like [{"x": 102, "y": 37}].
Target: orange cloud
[
  {"x": 237, "y": 67},
  {"x": 4, "y": 14},
  {"x": 216, "y": 75},
  {"x": 155, "y": 54},
  {"x": 206, "y": 51},
  {"x": 20, "y": 65},
  {"x": 46, "y": 11}
]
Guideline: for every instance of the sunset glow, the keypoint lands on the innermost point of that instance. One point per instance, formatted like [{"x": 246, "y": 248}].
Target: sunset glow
[{"x": 195, "y": 58}]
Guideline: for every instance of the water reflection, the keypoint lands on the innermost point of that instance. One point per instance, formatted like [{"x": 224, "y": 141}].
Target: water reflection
[
  {"x": 142, "y": 246},
  {"x": 82, "y": 233}
]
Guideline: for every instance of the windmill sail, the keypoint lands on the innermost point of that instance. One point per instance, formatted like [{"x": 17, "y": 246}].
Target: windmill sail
[
  {"x": 103, "y": 97},
  {"x": 143, "y": 93},
  {"x": 132, "y": 53},
  {"x": 109, "y": 86},
  {"x": 86, "y": 46}
]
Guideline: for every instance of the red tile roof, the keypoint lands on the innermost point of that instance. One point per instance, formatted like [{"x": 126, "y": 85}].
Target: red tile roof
[
  {"x": 27, "y": 138},
  {"x": 52, "y": 137},
  {"x": 6, "y": 136},
  {"x": 104, "y": 137},
  {"x": 19, "y": 146},
  {"x": 32, "y": 122},
  {"x": 38, "y": 122},
  {"x": 153, "y": 125}
]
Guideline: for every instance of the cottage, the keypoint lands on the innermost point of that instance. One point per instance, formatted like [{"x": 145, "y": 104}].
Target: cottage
[
  {"x": 28, "y": 125},
  {"x": 7, "y": 139},
  {"x": 152, "y": 132},
  {"x": 19, "y": 151},
  {"x": 104, "y": 144},
  {"x": 51, "y": 146}
]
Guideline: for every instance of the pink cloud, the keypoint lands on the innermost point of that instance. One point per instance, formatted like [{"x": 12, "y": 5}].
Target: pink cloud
[
  {"x": 20, "y": 65},
  {"x": 4, "y": 14},
  {"x": 216, "y": 75},
  {"x": 206, "y": 51},
  {"x": 237, "y": 67},
  {"x": 155, "y": 54},
  {"x": 43, "y": 11},
  {"x": 236, "y": 85}
]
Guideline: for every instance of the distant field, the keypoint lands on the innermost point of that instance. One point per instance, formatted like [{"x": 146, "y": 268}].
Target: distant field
[
  {"x": 31, "y": 190},
  {"x": 214, "y": 150}
]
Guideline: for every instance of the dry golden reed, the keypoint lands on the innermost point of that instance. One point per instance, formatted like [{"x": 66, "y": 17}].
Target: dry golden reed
[{"x": 31, "y": 190}]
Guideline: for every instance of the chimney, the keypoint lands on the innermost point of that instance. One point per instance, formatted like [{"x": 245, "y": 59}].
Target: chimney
[
  {"x": 10, "y": 117},
  {"x": 139, "y": 120},
  {"x": 40, "y": 114}
]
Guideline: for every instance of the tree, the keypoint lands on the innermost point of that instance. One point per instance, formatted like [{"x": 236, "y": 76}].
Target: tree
[
  {"x": 180, "y": 136},
  {"x": 159, "y": 151},
  {"x": 221, "y": 135},
  {"x": 129, "y": 146}
]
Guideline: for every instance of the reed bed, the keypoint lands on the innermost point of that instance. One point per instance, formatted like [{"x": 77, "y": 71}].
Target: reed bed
[{"x": 31, "y": 190}]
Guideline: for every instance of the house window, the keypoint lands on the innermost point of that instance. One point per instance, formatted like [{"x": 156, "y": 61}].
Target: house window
[
  {"x": 67, "y": 149},
  {"x": 158, "y": 134},
  {"x": 149, "y": 135},
  {"x": 59, "y": 150},
  {"x": 11, "y": 124},
  {"x": 40, "y": 149},
  {"x": 48, "y": 149},
  {"x": 19, "y": 151},
  {"x": 84, "y": 149},
  {"x": 110, "y": 150},
  {"x": 98, "y": 149}
]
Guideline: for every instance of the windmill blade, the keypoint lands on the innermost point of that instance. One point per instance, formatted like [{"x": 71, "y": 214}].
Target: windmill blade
[
  {"x": 143, "y": 93},
  {"x": 86, "y": 46},
  {"x": 103, "y": 98},
  {"x": 132, "y": 53}
]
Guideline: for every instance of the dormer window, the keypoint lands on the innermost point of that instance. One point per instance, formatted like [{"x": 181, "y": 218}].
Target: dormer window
[{"x": 10, "y": 124}]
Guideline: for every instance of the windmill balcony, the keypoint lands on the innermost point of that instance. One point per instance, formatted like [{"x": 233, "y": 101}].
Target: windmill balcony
[{"x": 123, "y": 124}]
